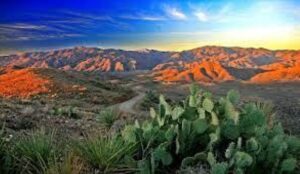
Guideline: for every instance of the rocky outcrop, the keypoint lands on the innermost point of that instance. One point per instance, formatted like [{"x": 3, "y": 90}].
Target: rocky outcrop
[
  {"x": 285, "y": 74},
  {"x": 205, "y": 72}
]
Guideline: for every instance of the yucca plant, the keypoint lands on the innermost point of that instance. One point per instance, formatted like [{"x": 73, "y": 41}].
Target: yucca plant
[
  {"x": 108, "y": 154},
  {"x": 70, "y": 164},
  {"x": 108, "y": 116},
  {"x": 34, "y": 152}
]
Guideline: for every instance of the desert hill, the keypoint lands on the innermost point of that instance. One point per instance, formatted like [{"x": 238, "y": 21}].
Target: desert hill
[
  {"x": 22, "y": 83},
  {"x": 16, "y": 82},
  {"x": 281, "y": 74},
  {"x": 208, "y": 64},
  {"x": 196, "y": 71}
]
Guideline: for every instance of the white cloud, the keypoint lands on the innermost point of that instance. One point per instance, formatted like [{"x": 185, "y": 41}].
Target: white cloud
[
  {"x": 175, "y": 13},
  {"x": 23, "y": 26},
  {"x": 38, "y": 37},
  {"x": 201, "y": 16},
  {"x": 143, "y": 17},
  {"x": 88, "y": 16}
]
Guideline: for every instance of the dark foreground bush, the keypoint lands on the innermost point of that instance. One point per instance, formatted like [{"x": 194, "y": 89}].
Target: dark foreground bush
[{"x": 201, "y": 135}]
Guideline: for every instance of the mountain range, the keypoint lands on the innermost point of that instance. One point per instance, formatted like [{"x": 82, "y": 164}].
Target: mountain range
[{"x": 211, "y": 64}]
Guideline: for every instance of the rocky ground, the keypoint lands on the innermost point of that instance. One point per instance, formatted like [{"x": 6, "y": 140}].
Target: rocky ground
[
  {"x": 75, "y": 113},
  {"x": 71, "y": 112}
]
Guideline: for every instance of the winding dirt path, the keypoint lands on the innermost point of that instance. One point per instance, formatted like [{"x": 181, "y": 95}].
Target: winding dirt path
[{"x": 129, "y": 105}]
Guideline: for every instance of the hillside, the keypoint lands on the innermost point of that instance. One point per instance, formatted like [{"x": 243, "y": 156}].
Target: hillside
[
  {"x": 196, "y": 71},
  {"x": 205, "y": 64},
  {"x": 22, "y": 83},
  {"x": 87, "y": 59},
  {"x": 230, "y": 63},
  {"x": 277, "y": 75},
  {"x": 52, "y": 83}
]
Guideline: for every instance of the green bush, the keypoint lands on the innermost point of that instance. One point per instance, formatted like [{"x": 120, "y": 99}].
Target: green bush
[{"x": 216, "y": 133}]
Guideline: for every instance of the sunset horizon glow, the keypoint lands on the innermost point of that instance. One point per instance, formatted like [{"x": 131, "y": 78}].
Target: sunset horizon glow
[{"x": 169, "y": 25}]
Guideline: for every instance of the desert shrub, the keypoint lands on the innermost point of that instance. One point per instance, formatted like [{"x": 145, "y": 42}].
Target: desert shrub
[
  {"x": 35, "y": 152},
  {"x": 70, "y": 112},
  {"x": 203, "y": 131},
  {"x": 108, "y": 116},
  {"x": 107, "y": 154},
  {"x": 151, "y": 99}
]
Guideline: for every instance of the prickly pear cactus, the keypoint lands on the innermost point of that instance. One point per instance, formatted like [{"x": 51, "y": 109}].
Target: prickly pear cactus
[{"x": 221, "y": 134}]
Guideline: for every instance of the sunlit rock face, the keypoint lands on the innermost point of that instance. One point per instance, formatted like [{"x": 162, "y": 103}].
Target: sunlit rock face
[{"x": 282, "y": 74}]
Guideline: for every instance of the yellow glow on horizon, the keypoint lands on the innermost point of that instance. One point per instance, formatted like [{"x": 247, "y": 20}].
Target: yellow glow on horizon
[{"x": 265, "y": 37}]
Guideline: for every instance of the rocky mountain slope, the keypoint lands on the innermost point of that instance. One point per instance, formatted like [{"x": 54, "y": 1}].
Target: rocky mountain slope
[
  {"x": 205, "y": 71},
  {"x": 218, "y": 64},
  {"x": 207, "y": 64},
  {"x": 88, "y": 59}
]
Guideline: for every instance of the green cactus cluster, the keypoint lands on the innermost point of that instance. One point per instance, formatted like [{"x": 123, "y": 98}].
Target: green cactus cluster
[{"x": 226, "y": 136}]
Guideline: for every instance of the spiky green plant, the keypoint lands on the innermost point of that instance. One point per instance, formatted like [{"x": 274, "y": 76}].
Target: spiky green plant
[
  {"x": 108, "y": 154},
  {"x": 108, "y": 116},
  {"x": 35, "y": 152}
]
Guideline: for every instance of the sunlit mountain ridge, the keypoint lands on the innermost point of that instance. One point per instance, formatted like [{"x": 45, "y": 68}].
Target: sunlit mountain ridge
[{"x": 207, "y": 64}]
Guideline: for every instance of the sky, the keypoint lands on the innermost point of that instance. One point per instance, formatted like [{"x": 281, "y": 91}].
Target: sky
[{"x": 31, "y": 25}]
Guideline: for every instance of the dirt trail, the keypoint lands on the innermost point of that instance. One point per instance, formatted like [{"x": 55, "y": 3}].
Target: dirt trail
[{"x": 129, "y": 105}]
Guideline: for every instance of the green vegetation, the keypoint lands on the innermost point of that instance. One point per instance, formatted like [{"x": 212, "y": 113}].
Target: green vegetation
[
  {"x": 201, "y": 135},
  {"x": 5, "y": 158},
  {"x": 151, "y": 100},
  {"x": 109, "y": 154},
  {"x": 34, "y": 153},
  {"x": 70, "y": 112},
  {"x": 218, "y": 134},
  {"x": 71, "y": 164},
  {"x": 108, "y": 116}
]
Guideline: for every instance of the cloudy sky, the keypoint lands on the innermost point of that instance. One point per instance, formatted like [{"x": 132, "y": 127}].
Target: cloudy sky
[{"x": 27, "y": 25}]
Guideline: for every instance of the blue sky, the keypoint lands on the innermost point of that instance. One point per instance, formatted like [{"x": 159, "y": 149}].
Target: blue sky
[{"x": 158, "y": 24}]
